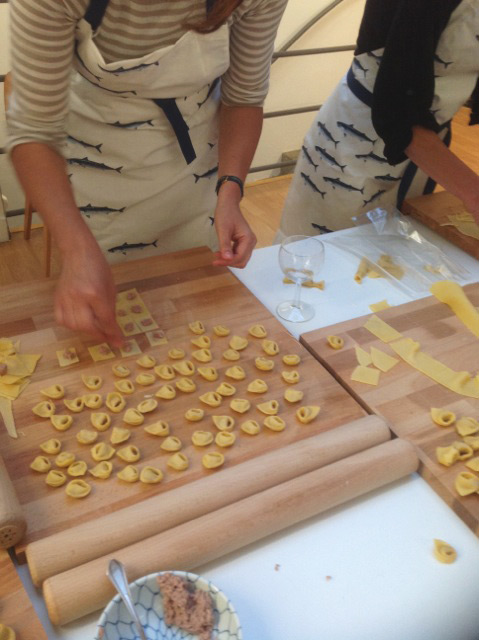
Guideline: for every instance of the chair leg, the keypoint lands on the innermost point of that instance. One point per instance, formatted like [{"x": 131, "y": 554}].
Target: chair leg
[
  {"x": 47, "y": 251},
  {"x": 27, "y": 222}
]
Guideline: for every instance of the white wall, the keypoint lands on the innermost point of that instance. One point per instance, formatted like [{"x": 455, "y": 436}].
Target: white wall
[{"x": 295, "y": 82}]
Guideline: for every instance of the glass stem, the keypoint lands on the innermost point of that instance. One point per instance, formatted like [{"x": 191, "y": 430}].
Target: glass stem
[{"x": 297, "y": 294}]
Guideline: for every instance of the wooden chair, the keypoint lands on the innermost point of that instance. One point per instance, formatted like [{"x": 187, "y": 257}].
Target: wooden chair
[{"x": 28, "y": 207}]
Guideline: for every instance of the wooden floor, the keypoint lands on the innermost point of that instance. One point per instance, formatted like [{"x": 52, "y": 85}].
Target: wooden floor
[{"x": 22, "y": 260}]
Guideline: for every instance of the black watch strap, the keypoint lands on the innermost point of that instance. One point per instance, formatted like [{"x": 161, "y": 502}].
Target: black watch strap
[{"x": 224, "y": 179}]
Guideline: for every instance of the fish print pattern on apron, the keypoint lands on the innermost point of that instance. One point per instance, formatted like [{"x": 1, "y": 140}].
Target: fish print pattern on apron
[
  {"x": 341, "y": 170},
  {"x": 142, "y": 141}
]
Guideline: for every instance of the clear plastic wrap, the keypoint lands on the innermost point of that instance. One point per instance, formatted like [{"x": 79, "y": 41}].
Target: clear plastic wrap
[{"x": 382, "y": 232}]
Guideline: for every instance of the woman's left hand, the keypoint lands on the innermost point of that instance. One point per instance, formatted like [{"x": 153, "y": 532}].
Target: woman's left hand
[{"x": 235, "y": 237}]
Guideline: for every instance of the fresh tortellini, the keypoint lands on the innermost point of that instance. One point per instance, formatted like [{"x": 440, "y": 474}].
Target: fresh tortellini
[
  {"x": 92, "y": 382},
  {"x": 178, "y": 461},
  {"x": 160, "y": 428},
  {"x": 87, "y": 436},
  {"x": 52, "y": 446},
  {"x": 466, "y": 483},
  {"x": 202, "y": 342},
  {"x": 165, "y": 371},
  {"x": 54, "y": 392},
  {"x": 166, "y": 392},
  {"x": 184, "y": 367},
  {"x": 197, "y": 327},
  {"x": 231, "y": 354},
  {"x": 202, "y": 438},
  {"x": 76, "y": 405},
  {"x": 147, "y": 405},
  {"x": 102, "y": 451},
  {"x": 65, "y": 459},
  {"x": 257, "y": 331},
  {"x": 274, "y": 423},
  {"x": 44, "y": 409},
  {"x": 240, "y": 405},
  {"x": 171, "y": 443},
  {"x": 102, "y": 470},
  {"x": 176, "y": 353},
  {"x": 55, "y": 478},
  {"x": 464, "y": 450},
  {"x": 269, "y": 408},
  {"x": 100, "y": 420},
  {"x": 472, "y": 441},
  {"x": 236, "y": 373},
  {"x": 119, "y": 435},
  {"x": 120, "y": 371},
  {"x": 270, "y": 347},
  {"x": 238, "y": 343},
  {"x": 213, "y": 460},
  {"x": 7, "y": 633},
  {"x": 225, "y": 439},
  {"x": 293, "y": 395},
  {"x": 251, "y": 427},
  {"x": 208, "y": 373},
  {"x": 115, "y": 402},
  {"x": 473, "y": 464},
  {"x": 443, "y": 417},
  {"x": 226, "y": 389},
  {"x": 41, "y": 464},
  {"x": 78, "y": 488},
  {"x": 133, "y": 417},
  {"x": 467, "y": 426},
  {"x": 128, "y": 474},
  {"x": 211, "y": 398},
  {"x": 444, "y": 552},
  {"x": 221, "y": 331},
  {"x": 125, "y": 386},
  {"x": 195, "y": 414},
  {"x": 146, "y": 361},
  {"x": 92, "y": 400},
  {"x": 291, "y": 359},
  {"x": 335, "y": 342},
  {"x": 223, "y": 423},
  {"x": 257, "y": 386},
  {"x": 145, "y": 379},
  {"x": 151, "y": 475},
  {"x": 77, "y": 468},
  {"x": 130, "y": 453},
  {"x": 447, "y": 455},
  {"x": 307, "y": 413},
  {"x": 264, "y": 364},
  {"x": 61, "y": 422},
  {"x": 186, "y": 385},
  {"x": 202, "y": 355},
  {"x": 291, "y": 377}
]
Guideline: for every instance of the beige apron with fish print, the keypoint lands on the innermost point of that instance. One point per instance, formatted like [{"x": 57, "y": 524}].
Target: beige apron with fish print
[
  {"x": 341, "y": 170},
  {"x": 144, "y": 172}
]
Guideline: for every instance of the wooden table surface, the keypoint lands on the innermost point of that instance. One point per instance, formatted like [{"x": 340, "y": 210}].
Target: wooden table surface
[{"x": 177, "y": 289}]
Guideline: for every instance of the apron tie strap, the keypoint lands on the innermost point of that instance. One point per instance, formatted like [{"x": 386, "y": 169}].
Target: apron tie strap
[
  {"x": 95, "y": 12},
  {"x": 175, "y": 118},
  {"x": 358, "y": 89}
]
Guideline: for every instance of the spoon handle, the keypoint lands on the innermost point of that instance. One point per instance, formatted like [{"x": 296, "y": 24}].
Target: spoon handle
[{"x": 116, "y": 573}]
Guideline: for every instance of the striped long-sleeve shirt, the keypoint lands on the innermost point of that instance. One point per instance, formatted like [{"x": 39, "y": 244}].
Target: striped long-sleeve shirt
[{"x": 42, "y": 41}]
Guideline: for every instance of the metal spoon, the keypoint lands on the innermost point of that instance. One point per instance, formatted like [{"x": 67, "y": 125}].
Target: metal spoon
[{"x": 116, "y": 573}]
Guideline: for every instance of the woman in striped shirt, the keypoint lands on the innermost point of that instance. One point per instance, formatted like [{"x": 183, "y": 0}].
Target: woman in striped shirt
[{"x": 123, "y": 113}]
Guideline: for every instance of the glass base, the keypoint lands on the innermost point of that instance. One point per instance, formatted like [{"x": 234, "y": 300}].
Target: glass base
[{"x": 302, "y": 312}]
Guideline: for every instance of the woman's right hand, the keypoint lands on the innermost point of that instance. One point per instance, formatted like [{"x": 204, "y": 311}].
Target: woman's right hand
[{"x": 85, "y": 295}]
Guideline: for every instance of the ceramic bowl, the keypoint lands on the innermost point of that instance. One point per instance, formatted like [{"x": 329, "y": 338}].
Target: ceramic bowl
[{"x": 115, "y": 622}]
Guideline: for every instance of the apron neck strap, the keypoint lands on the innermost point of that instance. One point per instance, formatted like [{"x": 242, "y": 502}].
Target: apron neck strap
[{"x": 95, "y": 12}]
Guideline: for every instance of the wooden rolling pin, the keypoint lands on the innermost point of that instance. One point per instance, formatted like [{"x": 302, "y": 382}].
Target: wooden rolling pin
[
  {"x": 166, "y": 510},
  {"x": 79, "y": 591},
  {"x": 12, "y": 521}
]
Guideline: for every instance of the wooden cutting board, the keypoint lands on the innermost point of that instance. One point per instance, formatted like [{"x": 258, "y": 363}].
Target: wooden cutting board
[
  {"x": 405, "y": 396},
  {"x": 16, "y": 609},
  {"x": 177, "y": 289},
  {"x": 433, "y": 211}
]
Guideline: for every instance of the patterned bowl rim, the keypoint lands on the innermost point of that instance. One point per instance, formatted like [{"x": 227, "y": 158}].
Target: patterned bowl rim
[{"x": 116, "y": 600}]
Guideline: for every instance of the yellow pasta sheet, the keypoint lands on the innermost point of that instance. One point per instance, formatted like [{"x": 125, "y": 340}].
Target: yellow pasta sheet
[
  {"x": 381, "y": 329},
  {"x": 453, "y": 295},
  {"x": 460, "y": 382}
]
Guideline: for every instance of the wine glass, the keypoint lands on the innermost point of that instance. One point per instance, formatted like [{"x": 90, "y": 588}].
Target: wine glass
[{"x": 300, "y": 258}]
